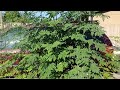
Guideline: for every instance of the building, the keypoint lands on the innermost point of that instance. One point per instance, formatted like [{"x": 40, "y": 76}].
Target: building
[{"x": 111, "y": 26}]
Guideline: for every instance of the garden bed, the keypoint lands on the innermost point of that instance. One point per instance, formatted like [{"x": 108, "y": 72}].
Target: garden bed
[{"x": 8, "y": 63}]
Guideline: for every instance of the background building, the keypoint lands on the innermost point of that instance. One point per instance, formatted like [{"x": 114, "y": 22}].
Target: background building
[{"x": 111, "y": 26}]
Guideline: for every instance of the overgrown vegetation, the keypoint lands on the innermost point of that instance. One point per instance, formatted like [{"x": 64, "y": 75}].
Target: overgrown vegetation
[
  {"x": 19, "y": 16},
  {"x": 65, "y": 47}
]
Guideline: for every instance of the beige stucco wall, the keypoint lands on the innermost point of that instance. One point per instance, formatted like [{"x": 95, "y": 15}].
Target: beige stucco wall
[
  {"x": 111, "y": 25},
  {"x": 114, "y": 18}
]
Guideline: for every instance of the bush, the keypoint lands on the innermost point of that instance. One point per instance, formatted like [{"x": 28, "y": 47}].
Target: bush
[{"x": 61, "y": 48}]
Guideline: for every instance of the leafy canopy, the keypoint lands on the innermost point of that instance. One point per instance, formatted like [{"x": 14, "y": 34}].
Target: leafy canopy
[{"x": 61, "y": 48}]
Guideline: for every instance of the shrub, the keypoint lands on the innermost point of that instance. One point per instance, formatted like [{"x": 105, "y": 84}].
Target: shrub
[{"x": 61, "y": 48}]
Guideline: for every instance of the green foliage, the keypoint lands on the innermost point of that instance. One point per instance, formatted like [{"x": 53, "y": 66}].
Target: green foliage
[
  {"x": 61, "y": 48},
  {"x": 22, "y": 17},
  {"x": 64, "y": 47},
  {"x": 28, "y": 17},
  {"x": 11, "y": 16}
]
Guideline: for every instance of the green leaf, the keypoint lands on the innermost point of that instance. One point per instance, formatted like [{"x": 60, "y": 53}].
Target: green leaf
[
  {"x": 102, "y": 63},
  {"x": 94, "y": 68},
  {"x": 67, "y": 26},
  {"x": 106, "y": 75},
  {"x": 55, "y": 44},
  {"x": 29, "y": 68},
  {"x": 60, "y": 67},
  {"x": 63, "y": 54},
  {"x": 78, "y": 37}
]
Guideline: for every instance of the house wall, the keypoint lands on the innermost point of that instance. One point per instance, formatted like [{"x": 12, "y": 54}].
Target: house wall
[{"x": 111, "y": 26}]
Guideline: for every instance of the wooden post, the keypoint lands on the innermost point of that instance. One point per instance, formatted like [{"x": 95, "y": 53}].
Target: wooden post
[
  {"x": 1, "y": 21},
  {"x": 91, "y": 17}
]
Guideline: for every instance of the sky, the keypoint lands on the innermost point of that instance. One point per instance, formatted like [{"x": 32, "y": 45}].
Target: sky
[{"x": 37, "y": 14}]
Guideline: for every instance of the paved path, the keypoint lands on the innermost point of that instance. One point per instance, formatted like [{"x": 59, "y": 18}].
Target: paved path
[{"x": 116, "y": 75}]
